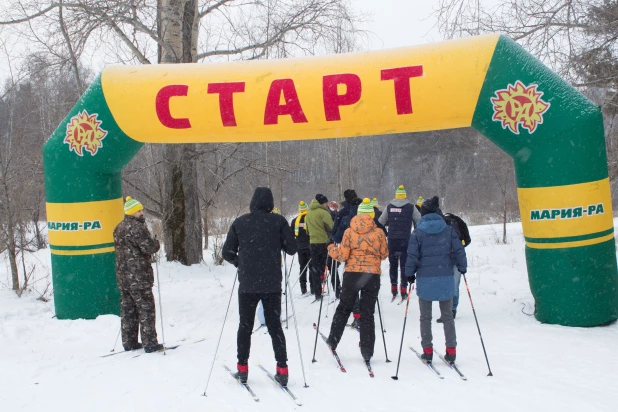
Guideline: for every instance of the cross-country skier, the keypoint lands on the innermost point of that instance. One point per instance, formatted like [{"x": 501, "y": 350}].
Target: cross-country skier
[
  {"x": 253, "y": 244},
  {"x": 362, "y": 248},
  {"x": 399, "y": 217},
  {"x": 319, "y": 225},
  {"x": 134, "y": 248},
  {"x": 429, "y": 263},
  {"x": 304, "y": 251}
]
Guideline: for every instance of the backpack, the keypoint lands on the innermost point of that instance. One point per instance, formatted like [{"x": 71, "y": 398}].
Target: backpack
[{"x": 460, "y": 227}]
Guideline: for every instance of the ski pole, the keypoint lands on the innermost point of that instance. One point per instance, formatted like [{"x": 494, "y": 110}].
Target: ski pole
[
  {"x": 285, "y": 268},
  {"x": 382, "y": 327},
  {"x": 300, "y": 352},
  {"x": 287, "y": 290},
  {"x": 221, "y": 334},
  {"x": 380, "y": 300},
  {"x": 117, "y": 336},
  {"x": 403, "y": 332},
  {"x": 301, "y": 273},
  {"x": 477, "y": 325},
  {"x": 160, "y": 303},
  {"x": 317, "y": 330},
  {"x": 332, "y": 265}
]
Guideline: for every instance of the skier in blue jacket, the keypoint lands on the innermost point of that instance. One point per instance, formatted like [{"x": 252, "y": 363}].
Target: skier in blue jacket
[{"x": 429, "y": 263}]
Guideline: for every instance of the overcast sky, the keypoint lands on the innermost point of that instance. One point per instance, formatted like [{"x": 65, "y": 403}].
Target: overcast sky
[{"x": 397, "y": 23}]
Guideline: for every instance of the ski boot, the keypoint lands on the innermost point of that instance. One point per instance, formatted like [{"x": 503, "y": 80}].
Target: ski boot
[
  {"x": 243, "y": 373},
  {"x": 404, "y": 293},
  {"x": 451, "y": 355},
  {"x": 394, "y": 292},
  {"x": 282, "y": 376},
  {"x": 427, "y": 355},
  {"x": 157, "y": 347}
]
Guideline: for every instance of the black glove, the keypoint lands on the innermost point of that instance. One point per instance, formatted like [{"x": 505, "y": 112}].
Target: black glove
[
  {"x": 463, "y": 272},
  {"x": 411, "y": 278}
]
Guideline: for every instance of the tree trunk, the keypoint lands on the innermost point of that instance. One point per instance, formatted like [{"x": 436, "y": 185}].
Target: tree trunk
[
  {"x": 10, "y": 228},
  {"x": 205, "y": 223},
  {"x": 504, "y": 213},
  {"x": 12, "y": 251},
  {"x": 39, "y": 240},
  {"x": 183, "y": 222}
]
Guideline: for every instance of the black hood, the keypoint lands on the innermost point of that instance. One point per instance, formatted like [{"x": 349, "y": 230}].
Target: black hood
[
  {"x": 262, "y": 200},
  {"x": 354, "y": 203},
  {"x": 349, "y": 195}
]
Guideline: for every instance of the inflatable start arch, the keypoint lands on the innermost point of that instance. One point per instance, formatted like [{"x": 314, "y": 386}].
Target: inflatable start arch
[{"x": 552, "y": 132}]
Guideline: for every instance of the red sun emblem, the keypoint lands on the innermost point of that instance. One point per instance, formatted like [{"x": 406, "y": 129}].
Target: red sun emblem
[
  {"x": 519, "y": 104},
  {"x": 84, "y": 133}
]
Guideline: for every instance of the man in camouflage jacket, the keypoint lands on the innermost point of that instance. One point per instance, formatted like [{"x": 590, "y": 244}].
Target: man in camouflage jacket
[{"x": 134, "y": 249}]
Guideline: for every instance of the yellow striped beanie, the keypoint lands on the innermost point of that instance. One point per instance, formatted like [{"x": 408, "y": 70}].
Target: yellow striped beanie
[{"x": 132, "y": 206}]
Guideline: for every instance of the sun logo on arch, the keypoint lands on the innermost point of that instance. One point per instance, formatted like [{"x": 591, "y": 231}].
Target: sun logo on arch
[
  {"x": 519, "y": 105},
  {"x": 84, "y": 134}
]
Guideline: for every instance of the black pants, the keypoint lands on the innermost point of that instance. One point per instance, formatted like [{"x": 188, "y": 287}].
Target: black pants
[
  {"x": 369, "y": 286},
  {"x": 318, "y": 264},
  {"x": 397, "y": 257},
  {"x": 333, "y": 269},
  {"x": 247, "y": 303},
  {"x": 303, "y": 257}
]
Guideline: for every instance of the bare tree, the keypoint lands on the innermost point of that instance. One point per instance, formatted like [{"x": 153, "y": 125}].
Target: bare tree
[{"x": 181, "y": 31}]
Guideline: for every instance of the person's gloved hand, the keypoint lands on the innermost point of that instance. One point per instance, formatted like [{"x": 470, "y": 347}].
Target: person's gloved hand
[
  {"x": 411, "y": 278},
  {"x": 463, "y": 272}
]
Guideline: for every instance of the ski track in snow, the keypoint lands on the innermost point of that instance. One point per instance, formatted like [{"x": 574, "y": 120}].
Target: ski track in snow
[{"x": 52, "y": 365}]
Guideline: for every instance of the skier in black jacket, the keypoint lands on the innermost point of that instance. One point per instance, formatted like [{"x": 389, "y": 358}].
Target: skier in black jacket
[
  {"x": 302, "y": 238},
  {"x": 253, "y": 244}
]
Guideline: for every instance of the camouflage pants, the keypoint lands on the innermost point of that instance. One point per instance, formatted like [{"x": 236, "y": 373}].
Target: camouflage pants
[{"x": 137, "y": 311}]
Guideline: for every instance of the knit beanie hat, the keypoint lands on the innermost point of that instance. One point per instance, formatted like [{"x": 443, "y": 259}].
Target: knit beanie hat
[
  {"x": 374, "y": 202},
  {"x": 430, "y": 206},
  {"x": 420, "y": 201},
  {"x": 132, "y": 206},
  {"x": 400, "y": 193},
  {"x": 366, "y": 208},
  {"x": 349, "y": 194},
  {"x": 302, "y": 206},
  {"x": 321, "y": 198}
]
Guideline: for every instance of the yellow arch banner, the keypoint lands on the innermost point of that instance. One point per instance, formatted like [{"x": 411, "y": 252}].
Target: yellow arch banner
[{"x": 410, "y": 89}]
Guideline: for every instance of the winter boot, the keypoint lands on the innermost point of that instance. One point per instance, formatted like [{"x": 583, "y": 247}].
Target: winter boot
[
  {"x": 157, "y": 347},
  {"x": 134, "y": 346},
  {"x": 404, "y": 293},
  {"x": 243, "y": 373},
  {"x": 427, "y": 355},
  {"x": 282, "y": 376},
  {"x": 451, "y": 354}
]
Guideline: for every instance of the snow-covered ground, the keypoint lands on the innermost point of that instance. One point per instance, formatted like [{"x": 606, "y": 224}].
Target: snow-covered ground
[{"x": 52, "y": 365}]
